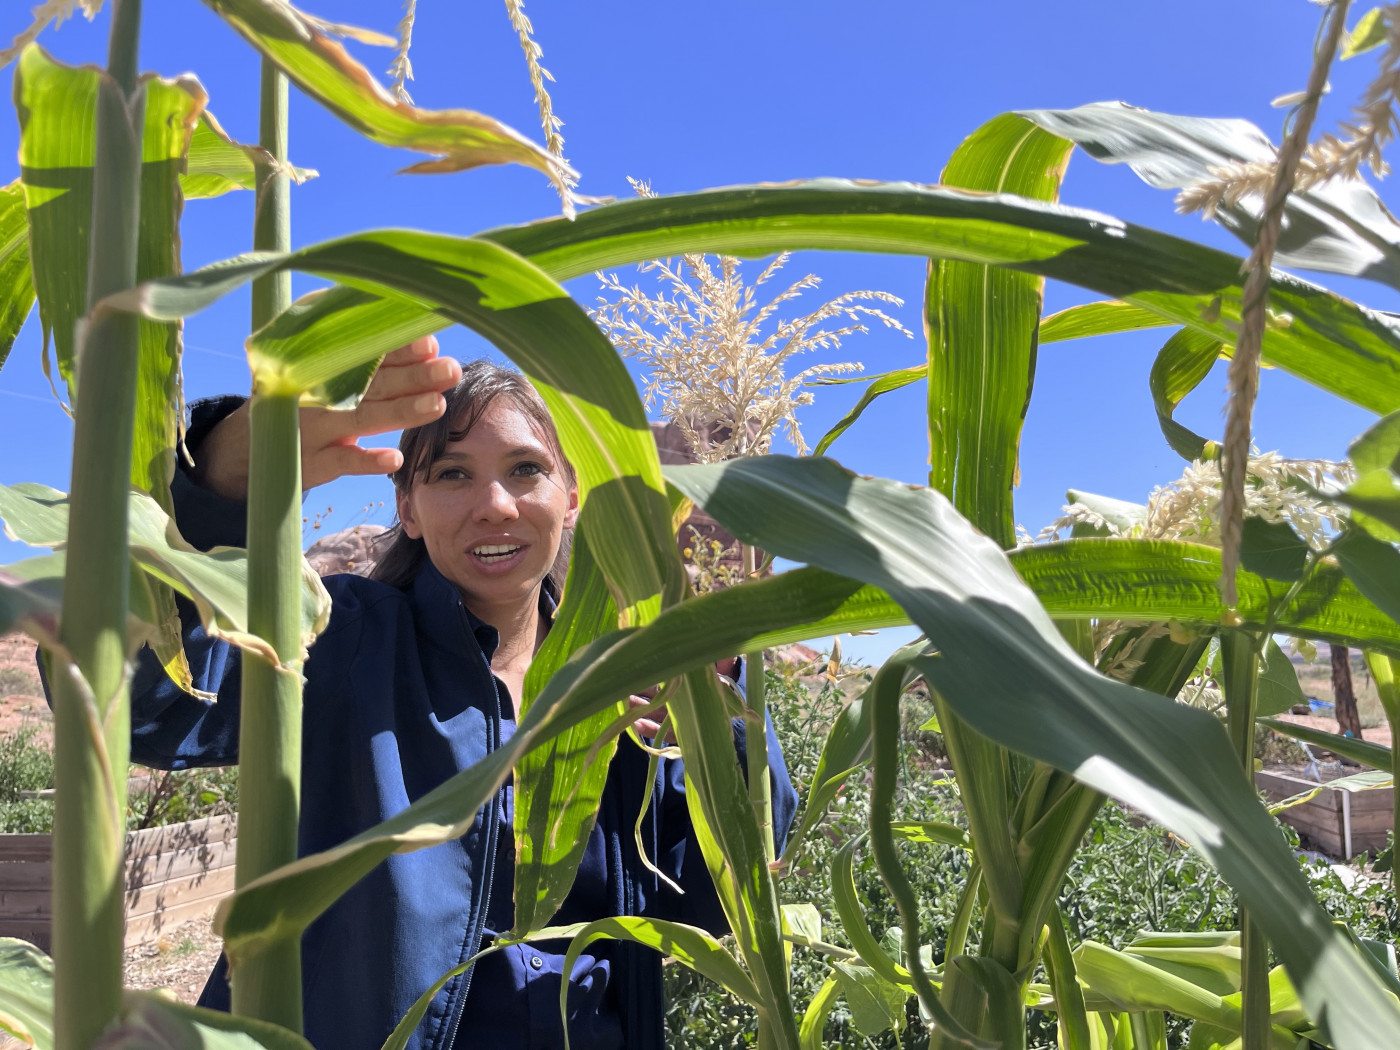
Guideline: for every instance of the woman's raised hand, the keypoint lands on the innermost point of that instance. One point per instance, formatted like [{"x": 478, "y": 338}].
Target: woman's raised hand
[{"x": 405, "y": 392}]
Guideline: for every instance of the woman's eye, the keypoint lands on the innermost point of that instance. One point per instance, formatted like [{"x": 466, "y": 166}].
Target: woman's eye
[
  {"x": 450, "y": 474},
  {"x": 529, "y": 470}
]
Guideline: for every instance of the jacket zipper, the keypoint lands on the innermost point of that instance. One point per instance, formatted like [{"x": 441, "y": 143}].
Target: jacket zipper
[{"x": 493, "y": 835}]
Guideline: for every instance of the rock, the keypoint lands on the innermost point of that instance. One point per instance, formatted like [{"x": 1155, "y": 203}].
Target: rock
[{"x": 350, "y": 551}]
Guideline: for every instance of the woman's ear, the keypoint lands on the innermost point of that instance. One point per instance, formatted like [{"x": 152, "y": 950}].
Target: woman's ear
[
  {"x": 403, "y": 502},
  {"x": 571, "y": 515}
]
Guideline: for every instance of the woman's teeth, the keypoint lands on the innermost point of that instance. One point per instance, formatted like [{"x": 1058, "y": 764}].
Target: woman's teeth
[{"x": 493, "y": 552}]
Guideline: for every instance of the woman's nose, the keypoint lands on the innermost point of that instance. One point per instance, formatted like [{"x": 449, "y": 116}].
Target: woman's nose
[{"x": 496, "y": 503}]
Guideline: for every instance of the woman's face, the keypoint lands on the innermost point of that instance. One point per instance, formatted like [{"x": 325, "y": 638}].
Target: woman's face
[{"x": 491, "y": 510}]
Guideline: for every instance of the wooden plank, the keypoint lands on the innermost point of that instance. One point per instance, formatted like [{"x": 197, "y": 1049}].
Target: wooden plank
[
  {"x": 147, "y": 899},
  {"x": 145, "y": 928},
  {"x": 25, "y": 904},
  {"x": 20, "y": 848},
  {"x": 182, "y": 836},
  {"x": 173, "y": 864},
  {"x": 33, "y": 875}
]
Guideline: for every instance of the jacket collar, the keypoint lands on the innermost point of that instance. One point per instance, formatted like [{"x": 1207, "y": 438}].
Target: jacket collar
[{"x": 441, "y": 613}]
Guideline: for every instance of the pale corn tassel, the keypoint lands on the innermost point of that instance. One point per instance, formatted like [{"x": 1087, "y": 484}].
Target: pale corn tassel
[
  {"x": 51, "y": 12},
  {"x": 1331, "y": 156},
  {"x": 1244, "y": 366},
  {"x": 401, "y": 69},
  {"x": 553, "y": 141}
]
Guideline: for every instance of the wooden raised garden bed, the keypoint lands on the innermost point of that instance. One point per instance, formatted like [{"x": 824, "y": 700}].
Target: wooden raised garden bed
[
  {"x": 1341, "y": 823},
  {"x": 173, "y": 874}
]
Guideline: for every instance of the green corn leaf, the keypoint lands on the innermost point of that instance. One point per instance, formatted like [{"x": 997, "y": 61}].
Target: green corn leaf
[
  {"x": 982, "y": 323},
  {"x": 851, "y": 912},
  {"x": 1323, "y": 339},
  {"x": 1367, "y": 781},
  {"x": 1102, "y": 318},
  {"x": 31, "y": 592},
  {"x": 846, "y": 749},
  {"x": 1009, "y": 673},
  {"x": 31, "y": 605},
  {"x": 1373, "y": 566},
  {"x": 1374, "y": 499},
  {"x": 1273, "y": 550},
  {"x": 1378, "y": 448},
  {"x": 1134, "y": 984},
  {"x": 1161, "y": 580},
  {"x": 818, "y": 1010},
  {"x": 883, "y": 384},
  {"x": 1214, "y": 967},
  {"x": 688, "y": 945},
  {"x": 559, "y": 785},
  {"x": 1362, "y": 751},
  {"x": 457, "y": 139},
  {"x": 1318, "y": 336},
  {"x": 150, "y": 1021},
  {"x": 16, "y": 286},
  {"x": 1181, "y": 364},
  {"x": 1339, "y": 226},
  {"x": 1278, "y": 683},
  {"x": 26, "y": 993},
  {"x": 1370, "y": 32},
  {"x": 57, "y": 106},
  {"x": 215, "y": 581},
  {"x": 215, "y": 164}
]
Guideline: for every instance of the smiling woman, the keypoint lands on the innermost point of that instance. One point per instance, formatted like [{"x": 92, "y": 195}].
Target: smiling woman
[{"x": 416, "y": 678}]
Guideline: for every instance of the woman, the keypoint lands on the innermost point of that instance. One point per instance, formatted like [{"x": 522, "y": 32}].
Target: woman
[{"x": 414, "y": 679}]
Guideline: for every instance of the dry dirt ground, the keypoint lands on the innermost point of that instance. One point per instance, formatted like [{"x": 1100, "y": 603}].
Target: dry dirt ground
[
  {"x": 180, "y": 960},
  {"x": 21, "y": 694}
]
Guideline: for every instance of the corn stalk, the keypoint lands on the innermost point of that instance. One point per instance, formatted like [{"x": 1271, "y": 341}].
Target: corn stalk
[
  {"x": 89, "y": 673},
  {"x": 268, "y": 984},
  {"x": 1240, "y": 654}
]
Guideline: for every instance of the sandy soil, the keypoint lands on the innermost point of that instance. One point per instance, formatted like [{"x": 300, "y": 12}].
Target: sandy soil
[
  {"x": 21, "y": 693},
  {"x": 1374, "y": 734}
]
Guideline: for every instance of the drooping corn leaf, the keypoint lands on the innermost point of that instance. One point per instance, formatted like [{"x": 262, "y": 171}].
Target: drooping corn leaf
[
  {"x": 57, "y": 106},
  {"x": 31, "y": 593},
  {"x": 316, "y": 62},
  {"x": 215, "y": 581},
  {"x": 1181, "y": 364},
  {"x": 1367, "y": 781},
  {"x": 1339, "y": 226},
  {"x": 1160, "y": 581},
  {"x": 982, "y": 323},
  {"x": 851, "y": 911},
  {"x": 1004, "y": 666},
  {"x": 558, "y": 786},
  {"x": 818, "y": 1010},
  {"x": 1102, "y": 318},
  {"x": 1278, "y": 683},
  {"x": 151, "y": 1021},
  {"x": 16, "y": 287},
  {"x": 1363, "y": 751},
  {"x": 1135, "y": 984},
  {"x": 1318, "y": 336},
  {"x": 26, "y": 993},
  {"x": 215, "y": 164},
  {"x": 883, "y": 384}
]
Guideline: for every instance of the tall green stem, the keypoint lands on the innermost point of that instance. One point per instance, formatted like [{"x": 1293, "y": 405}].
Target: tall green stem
[
  {"x": 268, "y": 985},
  {"x": 91, "y": 702},
  {"x": 1241, "y": 670},
  {"x": 756, "y": 731}
]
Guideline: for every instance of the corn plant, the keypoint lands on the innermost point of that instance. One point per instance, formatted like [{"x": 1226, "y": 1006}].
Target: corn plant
[{"x": 1038, "y": 735}]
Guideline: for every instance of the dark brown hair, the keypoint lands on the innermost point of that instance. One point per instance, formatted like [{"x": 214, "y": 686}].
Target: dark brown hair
[{"x": 481, "y": 383}]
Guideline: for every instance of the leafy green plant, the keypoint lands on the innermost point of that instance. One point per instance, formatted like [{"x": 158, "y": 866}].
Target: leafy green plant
[{"x": 1036, "y": 735}]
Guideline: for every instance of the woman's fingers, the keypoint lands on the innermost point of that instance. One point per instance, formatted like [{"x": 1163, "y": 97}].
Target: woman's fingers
[
  {"x": 338, "y": 461},
  {"x": 649, "y": 728}
]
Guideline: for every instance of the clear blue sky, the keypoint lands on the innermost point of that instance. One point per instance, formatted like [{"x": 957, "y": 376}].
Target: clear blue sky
[{"x": 720, "y": 92}]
